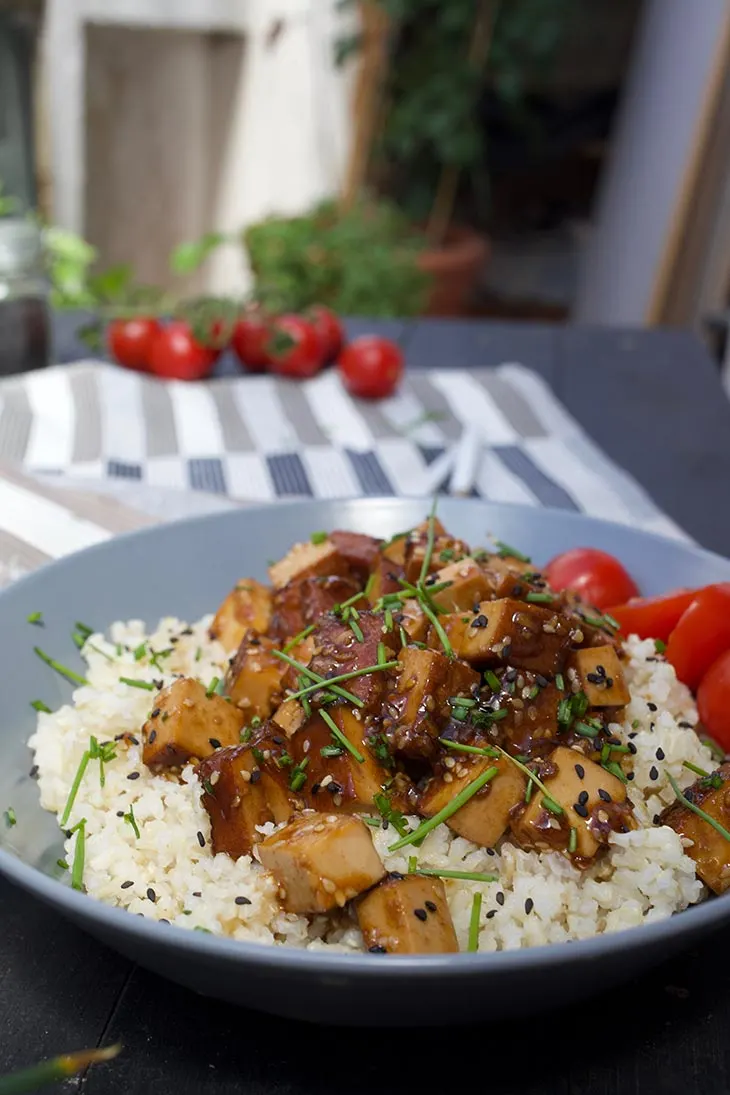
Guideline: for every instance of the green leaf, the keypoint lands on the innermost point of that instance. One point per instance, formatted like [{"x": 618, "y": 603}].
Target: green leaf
[{"x": 187, "y": 257}]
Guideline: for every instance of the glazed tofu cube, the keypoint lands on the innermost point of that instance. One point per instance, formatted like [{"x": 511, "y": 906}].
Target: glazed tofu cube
[
  {"x": 445, "y": 550},
  {"x": 485, "y": 817},
  {"x": 359, "y": 551},
  {"x": 709, "y": 849},
  {"x": 593, "y": 801},
  {"x": 342, "y": 781},
  {"x": 255, "y": 679},
  {"x": 239, "y": 796},
  {"x": 339, "y": 650},
  {"x": 417, "y": 709},
  {"x": 247, "y": 607},
  {"x": 321, "y": 861},
  {"x": 600, "y": 675},
  {"x": 407, "y": 916},
  {"x": 186, "y": 722},
  {"x": 306, "y": 560},
  {"x": 301, "y": 602},
  {"x": 412, "y": 619},
  {"x": 524, "y": 635},
  {"x": 386, "y": 575},
  {"x": 289, "y": 717},
  {"x": 504, "y": 576},
  {"x": 468, "y": 585}
]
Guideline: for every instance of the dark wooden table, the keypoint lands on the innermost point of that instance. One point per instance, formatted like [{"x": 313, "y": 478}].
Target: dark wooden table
[{"x": 653, "y": 400}]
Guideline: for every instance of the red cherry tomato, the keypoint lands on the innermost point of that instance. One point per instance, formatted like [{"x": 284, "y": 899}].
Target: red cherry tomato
[
  {"x": 176, "y": 355},
  {"x": 330, "y": 330},
  {"x": 653, "y": 617},
  {"x": 130, "y": 341},
  {"x": 294, "y": 347},
  {"x": 250, "y": 340},
  {"x": 702, "y": 634},
  {"x": 371, "y": 367},
  {"x": 713, "y": 700},
  {"x": 595, "y": 575}
]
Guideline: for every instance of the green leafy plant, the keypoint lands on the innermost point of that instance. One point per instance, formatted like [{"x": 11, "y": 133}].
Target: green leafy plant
[{"x": 361, "y": 261}]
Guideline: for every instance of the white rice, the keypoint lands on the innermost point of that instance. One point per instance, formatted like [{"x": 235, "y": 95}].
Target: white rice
[{"x": 645, "y": 875}]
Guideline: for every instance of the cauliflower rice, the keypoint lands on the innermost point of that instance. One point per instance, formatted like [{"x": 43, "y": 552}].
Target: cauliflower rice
[{"x": 170, "y": 873}]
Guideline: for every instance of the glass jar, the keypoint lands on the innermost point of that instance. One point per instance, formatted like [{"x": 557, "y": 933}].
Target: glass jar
[{"x": 24, "y": 311}]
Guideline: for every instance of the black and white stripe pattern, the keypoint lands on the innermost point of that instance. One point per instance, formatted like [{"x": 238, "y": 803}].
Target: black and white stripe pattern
[{"x": 259, "y": 438}]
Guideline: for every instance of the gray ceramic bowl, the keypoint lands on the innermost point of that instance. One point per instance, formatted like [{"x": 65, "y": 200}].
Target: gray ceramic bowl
[{"x": 185, "y": 569}]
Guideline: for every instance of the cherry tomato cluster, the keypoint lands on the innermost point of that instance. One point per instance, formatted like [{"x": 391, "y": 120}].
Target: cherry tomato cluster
[
  {"x": 690, "y": 626},
  {"x": 294, "y": 346}
]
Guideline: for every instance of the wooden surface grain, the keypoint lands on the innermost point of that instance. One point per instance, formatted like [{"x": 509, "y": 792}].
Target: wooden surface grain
[{"x": 653, "y": 400}]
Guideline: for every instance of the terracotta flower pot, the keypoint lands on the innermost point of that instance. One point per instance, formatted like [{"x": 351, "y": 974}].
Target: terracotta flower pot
[{"x": 455, "y": 270}]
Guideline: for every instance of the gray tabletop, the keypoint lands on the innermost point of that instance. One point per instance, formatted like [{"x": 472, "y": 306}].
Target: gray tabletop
[{"x": 653, "y": 400}]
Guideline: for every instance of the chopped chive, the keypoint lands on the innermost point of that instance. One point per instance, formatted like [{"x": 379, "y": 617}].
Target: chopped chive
[
  {"x": 131, "y": 820},
  {"x": 98, "y": 650},
  {"x": 412, "y": 864},
  {"x": 77, "y": 870},
  {"x": 79, "y": 640},
  {"x": 487, "y": 751},
  {"x": 529, "y": 773},
  {"x": 211, "y": 689},
  {"x": 534, "y": 692},
  {"x": 660, "y": 646},
  {"x": 10, "y": 817},
  {"x": 694, "y": 768},
  {"x": 605, "y": 753},
  {"x": 615, "y": 770},
  {"x": 39, "y": 705},
  {"x": 635, "y": 724},
  {"x": 476, "y": 912},
  {"x": 619, "y": 748},
  {"x": 471, "y": 876},
  {"x": 564, "y": 712},
  {"x": 119, "y": 649},
  {"x": 551, "y": 805},
  {"x": 299, "y": 775},
  {"x": 382, "y": 656},
  {"x": 579, "y": 704},
  {"x": 139, "y": 653},
  {"x": 198, "y": 654},
  {"x": 528, "y": 790},
  {"x": 492, "y": 680},
  {"x": 540, "y": 598},
  {"x": 403, "y": 636},
  {"x": 461, "y": 701},
  {"x": 69, "y": 674},
  {"x": 446, "y": 812},
  {"x": 342, "y": 738},
  {"x": 331, "y": 751},
  {"x": 388, "y": 620},
  {"x": 389, "y": 813},
  {"x": 585, "y": 730},
  {"x": 85, "y": 758},
  {"x": 506, "y": 551},
  {"x": 54, "y": 1071},
  {"x": 369, "y": 586},
  {"x": 318, "y": 537},
  {"x": 356, "y": 629},
  {"x": 133, "y": 683},
  {"x": 84, "y": 629},
  {"x": 298, "y": 639},
  {"x": 696, "y": 810},
  {"x": 317, "y": 679},
  {"x": 443, "y": 637},
  {"x": 35, "y": 618},
  {"x": 430, "y": 538},
  {"x": 560, "y": 682},
  {"x": 328, "y": 682},
  {"x": 62, "y": 863},
  {"x": 573, "y": 840},
  {"x": 611, "y": 621},
  {"x": 711, "y": 744}
]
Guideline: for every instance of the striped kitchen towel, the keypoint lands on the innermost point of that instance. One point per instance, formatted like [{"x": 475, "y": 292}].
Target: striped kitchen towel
[{"x": 260, "y": 438}]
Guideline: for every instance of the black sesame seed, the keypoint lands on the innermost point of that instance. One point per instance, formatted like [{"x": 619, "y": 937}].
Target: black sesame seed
[
  {"x": 603, "y": 795},
  {"x": 397, "y": 876},
  {"x": 158, "y": 684},
  {"x": 118, "y": 737},
  {"x": 33, "y": 772},
  {"x": 201, "y": 839},
  {"x": 500, "y": 898},
  {"x": 377, "y": 949},
  {"x": 633, "y": 734},
  {"x": 656, "y": 819},
  {"x": 67, "y": 832},
  {"x": 174, "y": 638},
  {"x": 186, "y": 631},
  {"x": 421, "y": 914},
  {"x": 632, "y": 748},
  {"x": 430, "y": 905},
  {"x": 162, "y": 920},
  {"x": 529, "y": 906},
  {"x": 685, "y": 725},
  {"x": 197, "y": 893},
  {"x": 613, "y": 740},
  {"x": 491, "y": 851},
  {"x": 583, "y": 798},
  {"x": 507, "y": 650},
  {"x": 510, "y": 676},
  {"x": 659, "y": 754},
  {"x": 120, "y": 813},
  {"x": 154, "y": 713},
  {"x": 127, "y": 884},
  {"x": 491, "y": 913},
  {"x": 629, "y": 775},
  {"x": 580, "y": 809},
  {"x": 278, "y": 741},
  {"x": 580, "y": 771},
  {"x": 334, "y": 788},
  {"x": 480, "y": 621},
  {"x": 653, "y": 772},
  {"x": 151, "y": 737},
  {"x": 151, "y": 894},
  {"x": 256, "y": 775},
  {"x": 653, "y": 707},
  {"x": 133, "y": 775},
  {"x": 214, "y": 743},
  {"x": 241, "y": 900},
  {"x": 541, "y": 681},
  {"x": 131, "y": 737},
  {"x": 315, "y": 788}
]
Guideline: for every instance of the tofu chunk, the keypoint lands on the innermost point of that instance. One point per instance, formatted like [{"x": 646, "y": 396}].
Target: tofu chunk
[
  {"x": 386, "y": 575},
  {"x": 445, "y": 549},
  {"x": 574, "y": 783},
  {"x": 413, "y": 620},
  {"x": 417, "y": 709},
  {"x": 468, "y": 585},
  {"x": 247, "y": 607},
  {"x": 709, "y": 849},
  {"x": 289, "y": 717},
  {"x": 255, "y": 679},
  {"x": 306, "y": 560},
  {"x": 359, "y": 551},
  {"x": 238, "y": 796},
  {"x": 186, "y": 722},
  {"x": 504, "y": 577},
  {"x": 321, "y": 861},
  {"x": 301, "y": 602},
  {"x": 600, "y": 675},
  {"x": 524, "y": 635},
  {"x": 339, "y": 650},
  {"x": 407, "y": 915},
  {"x": 341, "y": 782},
  {"x": 485, "y": 817}
]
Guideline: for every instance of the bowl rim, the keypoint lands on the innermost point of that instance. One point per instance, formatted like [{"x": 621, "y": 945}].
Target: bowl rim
[{"x": 111, "y": 920}]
